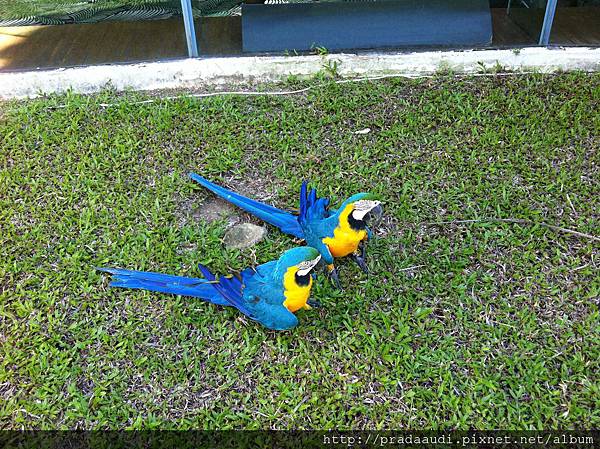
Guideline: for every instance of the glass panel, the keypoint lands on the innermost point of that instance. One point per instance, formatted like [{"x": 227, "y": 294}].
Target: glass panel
[
  {"x": 576, "y": 22},
  {"x": 64, "y": 33},
  {"x": 528, "y": 16},
  {"x": 31, "y": 47}
]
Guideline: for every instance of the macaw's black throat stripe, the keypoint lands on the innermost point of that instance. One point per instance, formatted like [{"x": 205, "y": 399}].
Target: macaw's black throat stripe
[
  {"x": 357, "y": 225},
  {"x": 304, "y": 280}
]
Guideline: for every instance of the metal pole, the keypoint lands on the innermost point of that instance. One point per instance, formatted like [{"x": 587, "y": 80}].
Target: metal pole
[
  {"x": 190, "y": 31},
  {"x": 548, "y": 20}
]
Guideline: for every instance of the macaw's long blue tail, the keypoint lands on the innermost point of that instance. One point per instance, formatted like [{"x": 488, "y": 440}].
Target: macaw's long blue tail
[
  {"x": 177, "y": 285},
  {"x": 285, "y": 221}
]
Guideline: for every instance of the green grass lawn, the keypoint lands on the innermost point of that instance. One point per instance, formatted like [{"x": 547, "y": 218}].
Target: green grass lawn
[{"x": 496, "y": 327}]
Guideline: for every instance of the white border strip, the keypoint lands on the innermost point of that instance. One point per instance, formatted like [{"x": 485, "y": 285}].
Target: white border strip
[{"x": 193, "y": 73}]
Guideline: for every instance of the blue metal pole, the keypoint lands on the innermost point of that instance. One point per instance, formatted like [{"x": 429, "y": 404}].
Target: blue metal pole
[
  {"x": 548, "y": 20},
  {"x": 190, "y": 31}
]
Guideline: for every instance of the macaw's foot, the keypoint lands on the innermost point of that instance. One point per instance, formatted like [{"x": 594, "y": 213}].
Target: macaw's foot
[
  {"x": 360, "y": 261},
  {"x": 333, "y": 275},
  {"x": 313, "y": 304}
]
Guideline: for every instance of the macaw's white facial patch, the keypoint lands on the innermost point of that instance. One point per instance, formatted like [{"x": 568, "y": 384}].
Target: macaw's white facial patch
[
  {"x": 305, "y": 267},
  {"x": 363, "y": 207}
]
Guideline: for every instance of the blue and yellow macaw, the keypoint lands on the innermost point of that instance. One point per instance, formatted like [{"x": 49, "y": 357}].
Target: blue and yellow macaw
[
  {"x": 269, "y": 293},
  {"x": 334, "y": 233}
]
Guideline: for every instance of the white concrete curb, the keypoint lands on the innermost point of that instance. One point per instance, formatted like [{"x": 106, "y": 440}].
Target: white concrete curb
[{"x": 190, "y": 73}]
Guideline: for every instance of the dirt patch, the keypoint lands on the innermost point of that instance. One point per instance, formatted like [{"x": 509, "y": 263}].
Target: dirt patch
[
  {"x": 210, "y": 210},
  {"x": 215, "y": 209}
]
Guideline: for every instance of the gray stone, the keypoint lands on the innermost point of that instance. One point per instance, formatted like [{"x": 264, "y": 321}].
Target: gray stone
[{"x": 243, "y": 235}]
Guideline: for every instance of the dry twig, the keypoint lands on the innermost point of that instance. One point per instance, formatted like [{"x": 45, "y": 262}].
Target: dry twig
[{"x": 521, "y": 221}]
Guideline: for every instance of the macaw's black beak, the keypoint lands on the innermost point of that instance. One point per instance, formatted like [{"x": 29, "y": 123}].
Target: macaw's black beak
[{"x": 375, "y": 214}]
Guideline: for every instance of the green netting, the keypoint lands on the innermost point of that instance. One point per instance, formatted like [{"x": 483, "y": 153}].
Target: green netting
[{"x": 56, "y": 12}]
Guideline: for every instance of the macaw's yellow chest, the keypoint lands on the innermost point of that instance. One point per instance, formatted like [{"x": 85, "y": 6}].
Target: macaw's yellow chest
[
  {"x": 296, "y": 295},
  {"x": 345, "y": 240}
]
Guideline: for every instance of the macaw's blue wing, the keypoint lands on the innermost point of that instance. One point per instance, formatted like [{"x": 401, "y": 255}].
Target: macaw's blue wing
[
  {"x": 285, "y": 221},
  {"x": 312, "y": 208},
  {"x": 164, "y": 283},
  {"x": 230, "y": 288},
  {"x": 257, "y": 303}
]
